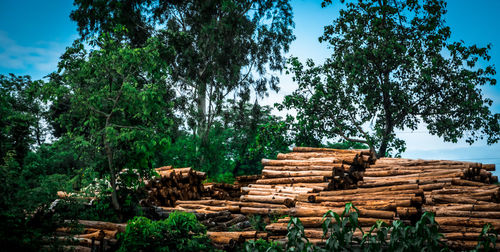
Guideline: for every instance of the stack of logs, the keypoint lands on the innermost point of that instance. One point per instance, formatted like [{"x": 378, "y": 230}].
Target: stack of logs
[
  {"x": 219, "y": 216},
  {"x": 94, "y": 236},
  {"x": 222, "y": 191},
  {"x": 460, "y": 193},
  {"x": 296, "y": 176},
  {"x": 174, "y": 184},
  {"x": 308, "y": 182}
]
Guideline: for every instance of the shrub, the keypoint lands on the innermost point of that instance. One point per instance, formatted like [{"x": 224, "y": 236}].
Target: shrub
[
  {"x": 179, "y": 232},
  {"x": 339, "y": 229},
  {"x": 261, "y": 246}
]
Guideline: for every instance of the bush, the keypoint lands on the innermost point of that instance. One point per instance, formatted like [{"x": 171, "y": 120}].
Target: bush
[
  {"x": 179, "y": 232},
  {"x": 338, "y": 234},
  {"x": 262, "y": 246}
]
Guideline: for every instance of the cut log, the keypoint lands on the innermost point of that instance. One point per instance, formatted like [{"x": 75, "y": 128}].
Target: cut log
[{"x": 312, "y": 179}]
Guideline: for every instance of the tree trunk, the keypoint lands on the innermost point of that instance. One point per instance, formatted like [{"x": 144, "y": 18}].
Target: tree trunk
[{"x": 109, "y": 154}]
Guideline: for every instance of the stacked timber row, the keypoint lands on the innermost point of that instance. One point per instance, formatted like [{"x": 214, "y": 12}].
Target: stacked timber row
[
  {"x": 297, "y": 176},
  {"x": 461, "y": 194},
  {"x": 216, "y": 215},
  {"x": 174, "y": 184},
  {"x": 247, "y": 180},
  {"x": 230, "y": 239},
  {"x": 94, "y": 236},
  {"x": 222, "y": 191}
]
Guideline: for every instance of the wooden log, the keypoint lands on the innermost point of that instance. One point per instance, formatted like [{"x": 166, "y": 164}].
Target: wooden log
[
  {"x": 163, "y": 168},
  {"x": 101, "y": 225},
  {"x": 459, "y": 229},
  {"x": 288, "y": 201},
  {"x": 463, "y": 245},
  {"x": 313, "y": 149},
  {"x": 363, "y": 196},
  {"x": 489, "y": 167},
  {"x": 221, "y": 239},
  {"x": 236, "y": 235},
  {"x": 436, "y": 199},
  {"x": 372, "y": 204},
  {"x": 329, "y": 167},
  {"x": 466, "y": 221},
  {"x": 264, "y": 211},
  {"x": 407, "y": 212},
  {"x": 279, "y": 189},
  {"x": 292, "y": 180},
  {"x": 309, "y": 162},
  {"x": 316, "y": 186},
  {"x": 320, "y": 211},
  {"x": 261, "y": 205},
  {"x": 281, "y": 174},
  {"x": 370, "y": 190},
  {"x": 421, "y": 174},
  {"x": 316, "y": 222},
  {"x": 474, "y": 214},
  {"x": 463, "y": 182},
  {"x": 486, "y": 206}
]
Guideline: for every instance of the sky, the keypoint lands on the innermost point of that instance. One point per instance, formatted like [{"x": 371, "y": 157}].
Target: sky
[{"x": 33, "y": 35}]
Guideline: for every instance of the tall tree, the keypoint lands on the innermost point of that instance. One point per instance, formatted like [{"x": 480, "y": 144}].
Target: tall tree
[
  {"x": 393, "y": 66},
  {"x": 222, "y": 47},
  {"x": 22, "y": 111},
  {"x": 123, "y": 102}
]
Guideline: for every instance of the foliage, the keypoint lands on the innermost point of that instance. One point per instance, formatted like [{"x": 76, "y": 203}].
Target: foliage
[
  {"x": 423, "y": 236},
  {"x": 179, "y": 232},
  {"x": 487, "y": 239},
  {"x": 244, "y": 135},
  {"x": 24, "y": 218},
  {"x": 296, "y": 238},
  {"x": 393, "y": 66},
  {"x": 223, "y": 47},
  {"x": 257, "y": 222},
  {"x": 21, "y": 109},
  {"x": 261, "y": 246},
  {"x": 339, "y": 229},
  {"x": 123, "y": 105}
]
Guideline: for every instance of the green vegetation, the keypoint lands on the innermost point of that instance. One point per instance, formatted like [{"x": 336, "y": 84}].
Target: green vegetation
[
  {"x": 338, "y": 235},
  {"x": 392, "y": 67},
  {"x": 153, "y": 83},
  {"x": 179, "y": 232}
]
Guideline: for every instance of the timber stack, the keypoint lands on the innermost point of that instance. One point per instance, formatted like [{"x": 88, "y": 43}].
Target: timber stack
[
  {"x": 461, "y": 194},
  {"x": 88, "y": 235},
  {"x": 174, "y": 184},
  {"x": 296, "y": 177}
]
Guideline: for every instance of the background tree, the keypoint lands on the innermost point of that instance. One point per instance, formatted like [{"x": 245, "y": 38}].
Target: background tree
[
  {"x": 223, "y": 47},
  {"x": 392, "y": 67},
  {"x": 124, "y": 104}
]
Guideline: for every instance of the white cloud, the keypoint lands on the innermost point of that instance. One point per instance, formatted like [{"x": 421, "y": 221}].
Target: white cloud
[{"x": 36, "y": 61}]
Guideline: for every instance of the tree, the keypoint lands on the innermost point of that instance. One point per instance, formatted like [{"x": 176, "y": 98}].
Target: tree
[
  {"x": 392, "y": 67},
  {"x": 21, "y": 111},
  {"x": 123, "y": 103},
  {"x": 223, "y": 47}
]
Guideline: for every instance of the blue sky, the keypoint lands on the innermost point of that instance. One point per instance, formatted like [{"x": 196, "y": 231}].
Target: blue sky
[{"x": 33, "y": 34}]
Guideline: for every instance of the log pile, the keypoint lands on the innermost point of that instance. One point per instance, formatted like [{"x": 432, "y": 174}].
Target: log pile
[
  {"x": 174, "y": 184},
  {"x": 297, "y": 176},
  {"x": 460, "y": 193},
  {"x": 309, "y": 182},
  {"x": 216, "y": 215},
  {"x": 94, "y": 236},
  {"x": 228, "y": 240}
]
